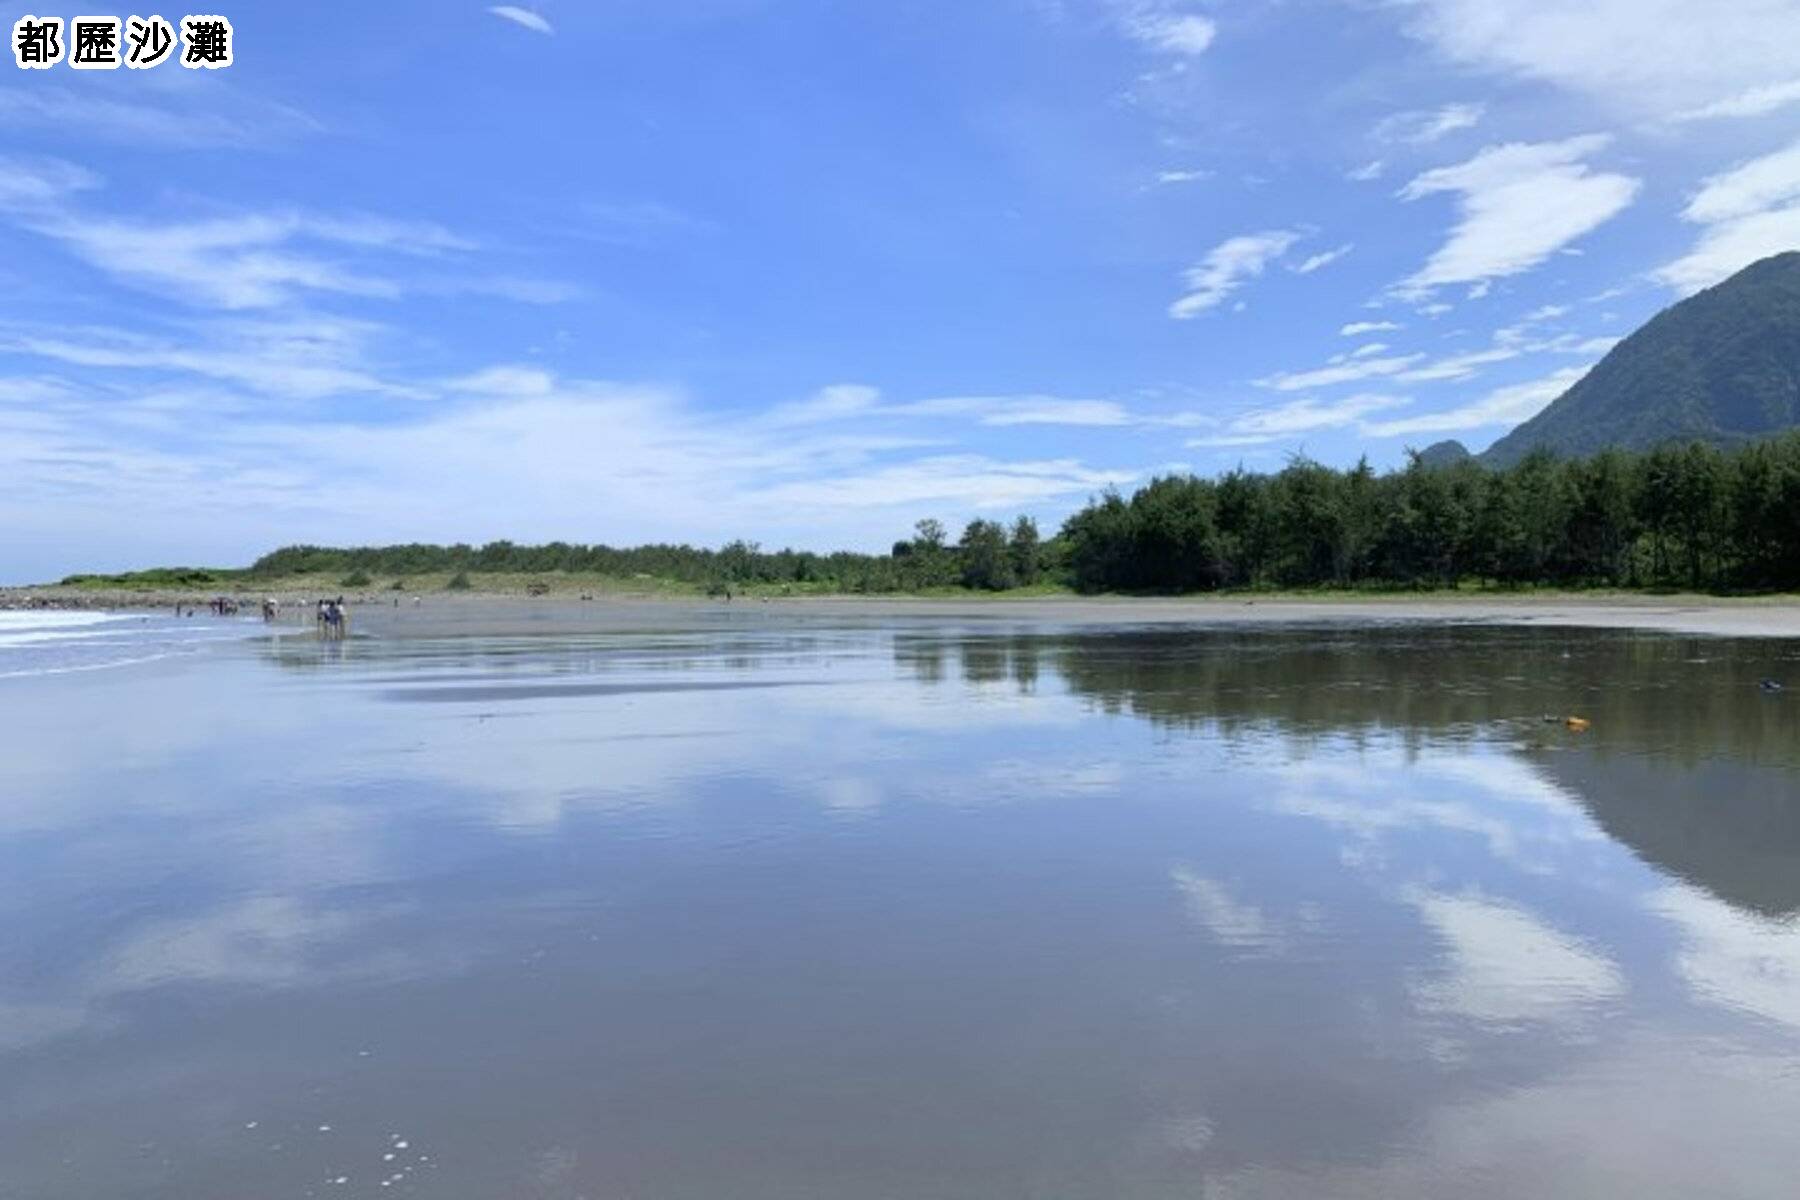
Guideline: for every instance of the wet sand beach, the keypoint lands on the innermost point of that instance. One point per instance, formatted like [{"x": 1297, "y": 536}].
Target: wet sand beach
[
  {"x": 1761, "y": 616},
  {"x": 1100, "y": 900}
]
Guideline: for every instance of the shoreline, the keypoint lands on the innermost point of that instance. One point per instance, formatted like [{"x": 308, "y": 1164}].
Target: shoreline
[{"x": 477, "y": 611}]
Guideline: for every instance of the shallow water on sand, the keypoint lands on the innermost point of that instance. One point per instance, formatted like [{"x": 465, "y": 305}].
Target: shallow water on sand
[{"x": 768, "y": 907}]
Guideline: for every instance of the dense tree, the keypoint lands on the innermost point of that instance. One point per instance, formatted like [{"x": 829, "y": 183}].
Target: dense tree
[
  {"x": 986, "y": 557},
  {"x": 1678, "y": 516},
  {"x": 1026, "y": 551},
  {"x": 1686, "y": 516}
]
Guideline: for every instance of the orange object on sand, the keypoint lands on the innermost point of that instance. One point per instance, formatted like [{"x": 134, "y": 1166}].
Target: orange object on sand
[{"x": 1576, "y": 724}]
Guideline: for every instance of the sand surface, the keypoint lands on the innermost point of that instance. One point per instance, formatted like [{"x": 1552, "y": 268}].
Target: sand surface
[
  {"x": 450, "y": 615},
  {"x": 474, "y": 613}
]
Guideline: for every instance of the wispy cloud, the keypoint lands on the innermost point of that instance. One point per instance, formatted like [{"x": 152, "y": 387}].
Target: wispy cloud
[
  {"x": 1231, "y": 921},
  {"x": 1165, "y": 26},
  {"x": 1519, "y": 203},
  {"x": 1322, "y": 259},
  {"x": 1358, "y": 328},
  {"x": 36, "y": 184},
  {"x": 837, "y": 402},
  {"x": 1754, "y": 102},
  {"x": 1459, "y": 366},
  {"x": 1300, "y": 416},
  {"x": 1422, "y": 127},
  {"x": 254, "y": 260},
  {"x": 632, "y": 223},
  {"x": 1345, "y": 371},
  {"x": 1502, "y": 406},
  {"x": 1635, "y": 55},
  {"x": 656, "y": 465},
  {"x": 219, "y": 118},
  {"x": 1505, "y": 965},
  {"x": 1368, "y": 172},
  {"x": 1747, "y": 213},
  {"x": 292, "y": 358},
  {"x": 1024, "y": 410},
  {"x": 1226, "y": 267},
  {"x": 522, "y": 16},
  {"x": 855, "y": 401},
  {"x": 1753, "y": 187}
]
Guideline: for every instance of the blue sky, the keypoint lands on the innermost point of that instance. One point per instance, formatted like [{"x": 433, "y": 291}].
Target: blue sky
[{"x": 804, "y": 272}]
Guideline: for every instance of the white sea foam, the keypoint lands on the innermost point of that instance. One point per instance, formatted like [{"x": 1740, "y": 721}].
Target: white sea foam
[
  {"x": 53, "y": 642},
  {"x": 51, "y": 618}
]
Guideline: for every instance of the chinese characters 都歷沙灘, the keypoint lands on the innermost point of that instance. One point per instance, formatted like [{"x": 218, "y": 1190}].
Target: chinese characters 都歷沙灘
[{"x": 103, "y": 43}]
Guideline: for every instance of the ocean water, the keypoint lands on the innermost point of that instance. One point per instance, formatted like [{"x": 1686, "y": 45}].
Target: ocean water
[
  {"x": 769, "y": 906},
  {"x": 52, "y": 642}
]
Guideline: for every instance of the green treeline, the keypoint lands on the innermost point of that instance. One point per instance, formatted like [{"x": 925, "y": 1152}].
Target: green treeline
[
  {"x": 1683, "y": 516},
  {"x": 1680, "y": 516},
  {"x": 989, "y": 556}
]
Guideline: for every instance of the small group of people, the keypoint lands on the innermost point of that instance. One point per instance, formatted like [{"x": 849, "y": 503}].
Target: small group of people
[
  {"x": 333, "y": 618},
  {"x": 223, "y": 606}
]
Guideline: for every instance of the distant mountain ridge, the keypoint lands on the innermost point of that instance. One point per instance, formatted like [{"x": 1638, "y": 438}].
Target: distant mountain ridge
[{"x": 1722, "y": 366}]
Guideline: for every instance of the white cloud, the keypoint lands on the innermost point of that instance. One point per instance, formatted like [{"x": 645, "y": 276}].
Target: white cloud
[
  {"x": 1636, "y": 55},
  {"x": 1045, "y": 410},
  {"x": 657, "y": 467},
  {"x": 217, "y": 118},
  {"x": 506, "y": 381},
  {"x": 253, "y": 261},
  {"x": 1752, "y": 187},
  {"x": 1519, "y": 203},
  {"x": 1731, "y": 246},
  {"x": 1368, "y": 172},
  {"x": 1348, "y": 371},
  {"x": 1754, "y": 102},
  {"x": 1505, "y": 966},
  {"x": 834, "y": 403},
  {"x": 298, "y": 358},
  {"x": 27, "y": 184},
  {"x": 1372, "y": 348},
  {"x": 1161, "y": 28},
  {"x": 1733, "y": 958},
  {"x": 633, "y": 222},
  {"x": 1226, "y": 267},
  {"x": 1182, "y": 176},
  {"x": 845, "y": 401},
  {"x": 1323, "y": 259},
  {"x": 1459, "y": 366},
  {"x": 1649, "y": 1109},
  {"x": 1478, "y": 795},
  {"x": 1422, "y": 127},
  {"x": 1226, "y": 440},
  {"x": 1748, "y": 213},
  {"x": 1502, "y": 406},
  {"x": 1358, "y": 328},
  {"x": 1298, "y": 416},
  {"x": 959, "y": 482},
  {"x": 522, "y": 16},
  {"x": 1230, "y": 921}
]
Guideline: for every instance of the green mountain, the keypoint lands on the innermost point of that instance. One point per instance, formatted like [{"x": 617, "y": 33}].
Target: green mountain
[
  {"x": 1443, "y": 454},
  {"x": 1722, "y": 366}
]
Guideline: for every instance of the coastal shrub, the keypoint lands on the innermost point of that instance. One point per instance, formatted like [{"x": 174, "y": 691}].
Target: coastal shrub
[
  {"x": 459, "y": 582},
  {"x": 355, "y": 579}
]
